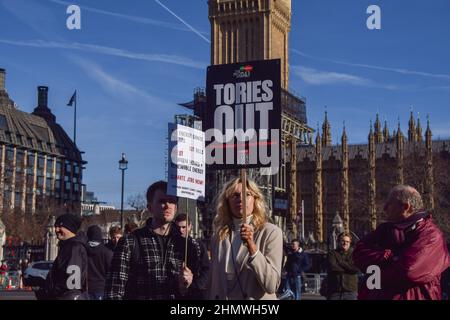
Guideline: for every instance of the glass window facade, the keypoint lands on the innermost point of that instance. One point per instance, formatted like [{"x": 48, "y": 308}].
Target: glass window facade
[
  {"x": 30, "y": 171},
  {"x": 6, "y": 198},
  {"x": 9, "y": 154},
  {"x": 27, "y": 172}
]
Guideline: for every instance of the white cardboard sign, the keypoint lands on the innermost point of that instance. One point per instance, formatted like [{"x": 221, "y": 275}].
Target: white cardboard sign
[{"x": 186, "y": 169}]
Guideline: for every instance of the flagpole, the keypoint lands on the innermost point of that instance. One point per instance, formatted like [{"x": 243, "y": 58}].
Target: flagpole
[{"x": 75, "y": 120}]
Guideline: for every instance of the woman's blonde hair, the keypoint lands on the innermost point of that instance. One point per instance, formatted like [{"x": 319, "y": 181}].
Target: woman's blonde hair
[{"x": 223, "y": 217}]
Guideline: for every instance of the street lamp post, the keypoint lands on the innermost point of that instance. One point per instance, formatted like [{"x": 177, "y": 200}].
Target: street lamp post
[{"x": 123, "y": 165}]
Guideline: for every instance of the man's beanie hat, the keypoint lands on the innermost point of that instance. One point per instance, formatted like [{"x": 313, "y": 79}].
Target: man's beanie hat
[
  {"x": 94, "y": 233},
  {"x": 69, "y": 221}
]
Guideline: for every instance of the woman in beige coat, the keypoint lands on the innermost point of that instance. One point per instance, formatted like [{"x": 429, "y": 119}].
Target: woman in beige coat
[{"x": 246, "y": 257}]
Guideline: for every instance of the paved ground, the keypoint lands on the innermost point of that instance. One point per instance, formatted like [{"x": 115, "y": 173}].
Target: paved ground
[
  {"x": 29, "y": 295},
  {"x": 307, "y": 296},
  {"x": 17, "y": 295}
]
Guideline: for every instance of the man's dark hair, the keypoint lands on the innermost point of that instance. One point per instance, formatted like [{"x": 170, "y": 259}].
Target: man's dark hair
[
  {"x": 181, "y": 217},
  {"x": 161, "y": 185},
  {"x": 130, "y": 227},
  {"x": 298, "y": 241}
]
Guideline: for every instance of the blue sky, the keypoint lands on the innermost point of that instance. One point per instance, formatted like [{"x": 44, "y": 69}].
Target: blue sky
[{"x": 133, "y": 61}]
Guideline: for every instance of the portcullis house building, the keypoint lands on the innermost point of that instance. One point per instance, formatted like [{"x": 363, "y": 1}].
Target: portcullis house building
[{"x": 40, "y": 166}]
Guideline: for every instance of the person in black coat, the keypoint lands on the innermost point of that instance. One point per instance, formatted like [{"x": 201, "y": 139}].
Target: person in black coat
[
  {"x": 67, "y": 280},
  {"x": 342, "y": 278},
  {"x": 99, "y": 262},
  {"x": 115, "y": 233},
  {"x": 297, "y": 263},
  {"x": 199, "y": 265}
]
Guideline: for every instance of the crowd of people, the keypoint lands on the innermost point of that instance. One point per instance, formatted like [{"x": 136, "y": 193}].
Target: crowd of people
[{"x": 246, "y": 257}]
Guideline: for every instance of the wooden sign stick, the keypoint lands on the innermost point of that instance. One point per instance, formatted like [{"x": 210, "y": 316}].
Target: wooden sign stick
[
  {"x": 244, "y": 195},
  {"x": 187, "y": 233}
]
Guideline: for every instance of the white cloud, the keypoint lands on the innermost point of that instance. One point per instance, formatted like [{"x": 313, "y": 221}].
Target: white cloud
[
  {"x": 368, "y": 66},
  {"x": 136, "y": 19},
  {"x": 166, "y": 58},
  {"x": 319, "y": 77},
  {"x": 183, "y": 22},
  {"x": 113, "y": 85}
]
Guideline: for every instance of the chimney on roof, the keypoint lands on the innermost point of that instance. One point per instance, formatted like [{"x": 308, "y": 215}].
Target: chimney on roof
[
  {"x": 2, "y": 79},
  {"x": 42, "y": 96},
  {"x": 42, "y": 109}
]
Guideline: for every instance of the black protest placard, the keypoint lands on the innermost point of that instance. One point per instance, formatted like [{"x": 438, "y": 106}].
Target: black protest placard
[{"x": 243, "y": 117}]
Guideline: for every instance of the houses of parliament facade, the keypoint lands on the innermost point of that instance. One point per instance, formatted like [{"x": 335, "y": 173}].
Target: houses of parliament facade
[
  {"x": 354, "y": 180},
  {"x": 326, "y": 180}
]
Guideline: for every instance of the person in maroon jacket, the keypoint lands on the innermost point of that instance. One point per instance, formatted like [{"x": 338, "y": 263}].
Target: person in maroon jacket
[{"x": 409, "y": 249}]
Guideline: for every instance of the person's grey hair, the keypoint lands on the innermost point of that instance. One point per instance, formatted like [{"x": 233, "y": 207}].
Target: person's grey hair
[{"x": 407, "y": 194}]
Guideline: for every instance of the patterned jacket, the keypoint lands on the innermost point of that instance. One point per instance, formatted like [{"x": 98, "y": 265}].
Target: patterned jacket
[
  {"x": 139, "y": 271},
  {"x": 199, "y": 268}
]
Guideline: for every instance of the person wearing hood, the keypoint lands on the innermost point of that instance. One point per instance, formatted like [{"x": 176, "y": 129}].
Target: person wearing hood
[
  {"x": 409, "y": 250},
  {"x": 67, "y": 280},
  {"x": 99, "y": 262}
]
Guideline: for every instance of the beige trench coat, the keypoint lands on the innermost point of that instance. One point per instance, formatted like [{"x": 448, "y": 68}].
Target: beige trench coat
[{"x": 259, "y": 277}]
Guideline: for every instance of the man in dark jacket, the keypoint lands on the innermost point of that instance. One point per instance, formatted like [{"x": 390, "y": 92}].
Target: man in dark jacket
[
  {"x": 409, "y": 249},
  {"x": 115, "y": 233},
  {"x": 296, "y": 264},
  {"x": 342, "y": 275},
  {"x": 68, "y": 277},
  {"x": 99, "y": 262},
  {"x": 200, "y": 265},
  {"x": 148, "y": 264}
]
